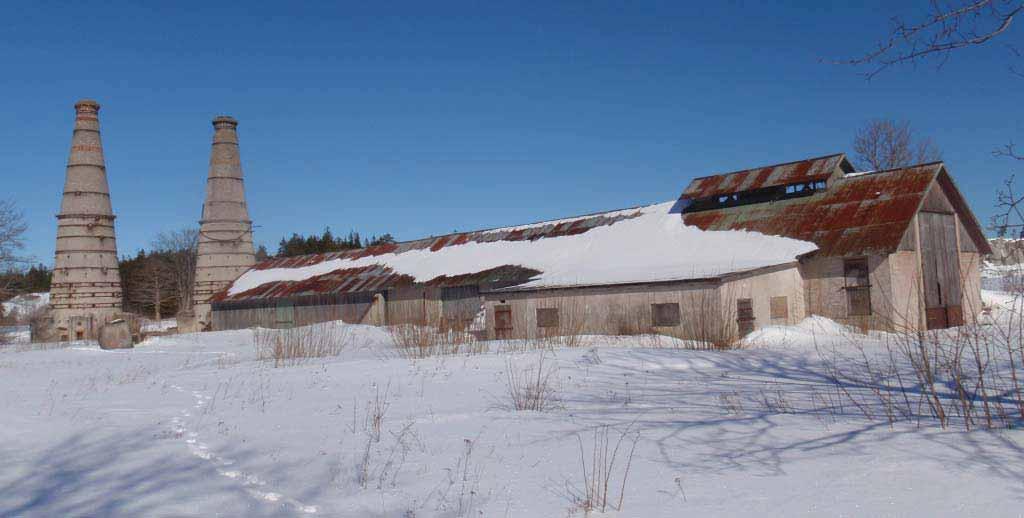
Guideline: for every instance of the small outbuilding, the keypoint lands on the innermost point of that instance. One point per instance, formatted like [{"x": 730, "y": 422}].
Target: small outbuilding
[{"x": 737, "y": 251}]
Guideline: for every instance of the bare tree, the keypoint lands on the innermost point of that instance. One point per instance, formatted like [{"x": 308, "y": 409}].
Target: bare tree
[
  {"x": 887, "y": 144},
  {"x": 180, "y": 247},
  {"x": 945, "y": 27},
  {"x": 149, "y": 285},
  {"x": 12, "y": 232}
]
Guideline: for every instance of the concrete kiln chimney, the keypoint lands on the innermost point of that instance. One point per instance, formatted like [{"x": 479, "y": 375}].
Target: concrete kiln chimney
[
  {"x": 225, "y": 230},
  {"x": 86, "y": 290}
]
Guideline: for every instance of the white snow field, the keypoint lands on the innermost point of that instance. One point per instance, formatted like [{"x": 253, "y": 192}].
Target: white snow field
[{"x": 194, "y": 425}]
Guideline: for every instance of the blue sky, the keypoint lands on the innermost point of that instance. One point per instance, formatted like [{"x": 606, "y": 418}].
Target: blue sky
[{"x": 422, "y": 118}]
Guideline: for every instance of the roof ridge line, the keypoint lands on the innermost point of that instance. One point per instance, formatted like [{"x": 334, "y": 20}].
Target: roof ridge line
[
  {"x": 769, "y": 165},
  {"x": 492, "y": 229}
]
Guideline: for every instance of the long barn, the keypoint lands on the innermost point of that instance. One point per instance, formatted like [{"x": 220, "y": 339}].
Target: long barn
[{"x": 893, "y": 249}]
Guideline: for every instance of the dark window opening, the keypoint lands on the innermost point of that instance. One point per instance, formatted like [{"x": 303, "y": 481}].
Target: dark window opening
[
  {"x": 547, "y": 317},
  {"x": 857, "y": 286},
  {"x": 762, "y": 195},
  {"x": 665, "y": 315}
]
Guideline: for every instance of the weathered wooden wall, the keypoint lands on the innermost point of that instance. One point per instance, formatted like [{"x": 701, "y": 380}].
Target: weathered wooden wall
[
  {"x": 448, "y": 307},
  {"x": 826, "y": 293},
  {"x": 612, "y": 310},
  {"x": 760, "y": 289}
]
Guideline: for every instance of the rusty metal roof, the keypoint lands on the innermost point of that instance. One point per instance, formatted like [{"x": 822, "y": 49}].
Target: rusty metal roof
[
  {"x": 811, "y": 169},
  {"x": 379, "y": 278},
  {"x": 857, "y": 214},
  {"x": 861, "y": 213}
]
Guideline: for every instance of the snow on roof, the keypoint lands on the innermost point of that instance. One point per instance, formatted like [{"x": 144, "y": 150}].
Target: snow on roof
[{"x": 645, "y": 244}]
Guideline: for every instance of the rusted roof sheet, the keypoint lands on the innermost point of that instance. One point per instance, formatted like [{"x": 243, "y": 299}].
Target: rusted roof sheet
[
  {"x": 858, "y": 214},
  {"x": 378, "y": 278},
  {"x": 811, "y": 169}
]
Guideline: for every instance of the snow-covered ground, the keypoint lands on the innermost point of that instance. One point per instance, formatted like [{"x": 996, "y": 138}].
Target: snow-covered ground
[
  {"x": 156, "y": 326},
  {"x": 15, "y": 334},
  {"x": 194, "y": 425},
  {"x": 25, "y": 304}
]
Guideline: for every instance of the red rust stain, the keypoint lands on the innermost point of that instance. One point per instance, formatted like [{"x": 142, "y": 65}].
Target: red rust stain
[
  {"x": 855, "y": 215},
  {"x": 438, "y": 244}
]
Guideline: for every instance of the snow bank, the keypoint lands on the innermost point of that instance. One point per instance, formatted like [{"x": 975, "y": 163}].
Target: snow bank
[
  {"x": 655, "y": 246},
  {"x": 158, "y": 326},
  {"x": 810, "y": 333},
  {"x": 16, "y": 334},
  {"x": 25, "y": 304}
]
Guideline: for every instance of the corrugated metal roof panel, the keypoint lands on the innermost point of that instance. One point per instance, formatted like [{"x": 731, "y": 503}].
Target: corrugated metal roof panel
[
  {"x": 857, "y": 214},
  {"x": 808, "y": 170},
  {"x": 380, "y": 278}
]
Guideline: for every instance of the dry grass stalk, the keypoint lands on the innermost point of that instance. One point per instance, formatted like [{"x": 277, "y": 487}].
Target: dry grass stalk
[
  {"x": 293, "y": 346},
  {"x": 532, "y": 388},
  {"x": 605, "y": 465},
  {"x": 966, "y": 376},
  {"x": 417, "y": 341},
  {"x": 706, "y": 322}
]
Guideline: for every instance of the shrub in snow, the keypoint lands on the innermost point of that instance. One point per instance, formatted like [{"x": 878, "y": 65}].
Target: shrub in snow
[
  {"x": 423, "y": 341},
  {"x": 534, "y": 387},
  {"x": 292, "y": 346}
]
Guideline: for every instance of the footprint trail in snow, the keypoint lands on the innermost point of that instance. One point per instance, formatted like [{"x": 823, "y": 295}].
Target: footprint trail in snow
[{"x": 253, "y": 484}]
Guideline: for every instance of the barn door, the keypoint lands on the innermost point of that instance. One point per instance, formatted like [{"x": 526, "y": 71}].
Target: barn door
[
  {"x": 941, "y": 264},
  {"x": 503, "y": 322},
  {"x": 285, "y": 315},
  {"x": 744, "y": 316}
]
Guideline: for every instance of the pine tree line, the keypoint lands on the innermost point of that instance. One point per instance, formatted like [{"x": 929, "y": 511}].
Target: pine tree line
[
  {"x": 327, "y": 242},
  {"x": 34, "y": 280}
]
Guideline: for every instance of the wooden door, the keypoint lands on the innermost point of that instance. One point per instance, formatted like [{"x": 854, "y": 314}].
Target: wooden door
[
  {"x": 940, "y": 263},
  {"x": 285, "y": 318},
  {"x": 745, "y": 316},
  {"x": 503, "y": 322}
]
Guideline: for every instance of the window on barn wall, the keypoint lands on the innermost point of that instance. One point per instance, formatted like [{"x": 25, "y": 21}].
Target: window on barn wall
[
  {"x": 858, "y": 287},
  {"x": 665, "y": 315},
  {"x": 745, "y": 316},
  {"x": 779, "y": 308},
  {"x": 503, "y": 321},
  {"x": 547, "y": 317}
]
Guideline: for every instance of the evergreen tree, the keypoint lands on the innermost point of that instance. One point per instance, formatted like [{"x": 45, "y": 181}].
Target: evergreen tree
[
  {"x": 386, "y": 239},
  {"x": 326, "y": 242}
]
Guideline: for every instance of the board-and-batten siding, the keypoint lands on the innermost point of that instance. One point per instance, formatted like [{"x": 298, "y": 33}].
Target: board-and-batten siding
[
  {"x": 707, "y": 309},
  {"x": 413, "y": 305}
]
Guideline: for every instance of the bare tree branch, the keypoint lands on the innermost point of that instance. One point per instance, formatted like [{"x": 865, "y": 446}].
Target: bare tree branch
[
  {"x": 887, "y": 144},
  {"x": 946, "y": 28},
  {"x": 181, "y": 247},
  {"x": 1008, "y": 151},
  {"x": 1009, "y": 215},
  {"x": 12, "y": 232}
]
